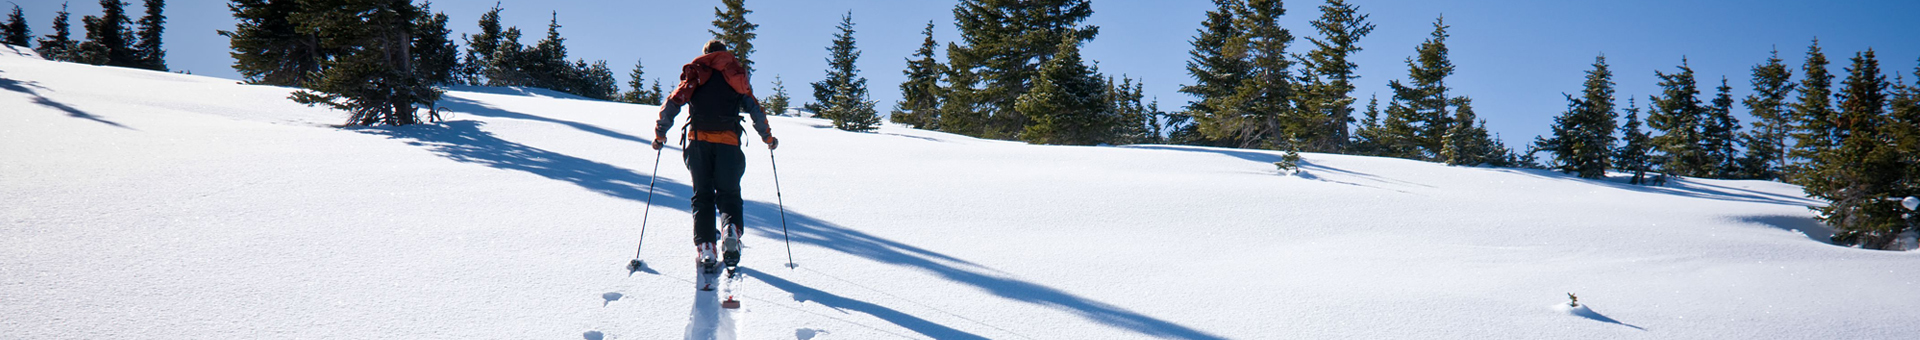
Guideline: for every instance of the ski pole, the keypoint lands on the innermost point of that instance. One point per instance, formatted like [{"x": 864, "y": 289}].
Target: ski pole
[
  {"x": 652, "y": 177},
  {"x": 783, "y": 207}
]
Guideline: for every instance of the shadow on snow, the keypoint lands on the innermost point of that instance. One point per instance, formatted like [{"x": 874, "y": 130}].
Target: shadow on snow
[
  {"x": 28, "y": 89},
  {"x": 467, "y": 142}
]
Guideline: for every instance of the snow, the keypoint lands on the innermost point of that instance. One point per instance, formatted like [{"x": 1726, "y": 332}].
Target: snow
[{"x": 144, "y": 204}]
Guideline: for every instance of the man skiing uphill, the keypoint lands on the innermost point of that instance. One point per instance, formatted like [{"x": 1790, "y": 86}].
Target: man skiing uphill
[{"x": 715, "y": 88}]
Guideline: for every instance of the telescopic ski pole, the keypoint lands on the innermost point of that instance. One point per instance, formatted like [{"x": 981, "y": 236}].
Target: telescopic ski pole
[
  {"x": 783, "y": 207},
  {"x": 654, "y": 176}
]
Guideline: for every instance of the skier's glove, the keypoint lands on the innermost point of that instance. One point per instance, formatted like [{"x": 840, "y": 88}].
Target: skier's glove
[
  {"x": 772, "y": 143},
  {"x": 659, "y": 141}
]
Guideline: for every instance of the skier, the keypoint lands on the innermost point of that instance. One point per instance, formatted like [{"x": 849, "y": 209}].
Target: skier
[{"x": 715, "y": 86}]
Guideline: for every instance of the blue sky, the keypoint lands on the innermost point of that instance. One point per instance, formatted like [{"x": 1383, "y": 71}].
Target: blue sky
[{"x": 1515, "y": 58}]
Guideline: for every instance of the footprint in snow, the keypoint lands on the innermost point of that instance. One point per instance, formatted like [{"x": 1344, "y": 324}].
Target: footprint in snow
[
  {"x": 808, "y": 333},
  {"x": 594, "y": 335},
  {"x": 610, "y": 297}
]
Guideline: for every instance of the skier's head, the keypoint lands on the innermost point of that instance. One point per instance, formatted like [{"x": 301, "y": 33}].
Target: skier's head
[{"x": 714, "y": 46}]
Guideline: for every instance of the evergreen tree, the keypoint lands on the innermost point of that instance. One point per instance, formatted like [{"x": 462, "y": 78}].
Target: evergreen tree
[
  {"x": 1131, "y": 122},
  {"x": 842, "y": 97},
  {"x": 1258, "y": 110},
  {"x": 1468, "y": 144},
  {"x": 481, "y": 47},
  {"x": 58, "y": 46},
  {"x": 731, "y": 26},
  {"x": 1680, "y": 118},
  {"x": 147, "y": 51},
  {"x": 1766, "y": 141},
  {"x": 1583, "y": 136},
  {"x": 373, "y": 78},
  {"x": 1006, "y": 41},
  {"x": 1068, "y": 103},
  {"x": 637, "y": 83},
  {"x": 1369, "y": 137},
  {"x": 546, "y": 64},
  {"x": 1813, "y": 116},
  {"x": 774, "y": 104},
  {"x": 1632, "y": 154},
  {"x": 269, "y": 46},
  {"x": 1327, "y": 88},
  {"x": 593, "y": 80},
  {"x": 1216, "y": 70},
  {"x": 15, "y": 32},
  {"x": 1904, "y": 130},
  {"x": 436, "y": 59},
  {"x": 1718, "y": 134},
  {"x": 109, "y": 40},
  {"x": 919, "y": 105},
  {"x": 507, "y": 65},
  {"x": 1417, "y": 118},
  {"x": 1865, "y": 169}
]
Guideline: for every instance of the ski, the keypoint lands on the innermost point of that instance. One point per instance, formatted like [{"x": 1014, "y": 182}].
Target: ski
[
  {"x": 733, "y": 278},
  {"x": 709, "y": 272}
]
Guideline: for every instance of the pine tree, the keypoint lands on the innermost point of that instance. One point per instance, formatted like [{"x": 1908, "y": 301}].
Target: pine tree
[
  {"x": 1904, "y": 130},
  {"x": 774, "y": 104},
  {"x": 1718, "y": 134},
  {"x": 1468, "y": 144},
  {"x": 1068, "y": 103},
  {"x": 919, "y": 105},
  {"x": 373, "y": 78},
  {"x": 1865, "y": 169},
  {"x": 1369, "y": 137},
  {"x": 1812, "y": 115},
  {"x": 481, "y": 47},
  {"x": 1130, "y": 120},
  {"x": 109, "y": 41},
  {"x": 1766, "y": 141},
  {"x": 148, "y": 52},
  {"x": 1632, "y": 154},
  {"x": 1255, "y": 111},
  {"x": 1417, "y": 118},
  {"x": 731, "y": 26},
  {"x": 436, "y": 59},
  {"x": 1006, "y": 41},
  {"x": 1583, "y": 136},
  {"x": 58, "y": 46},
  {"x": 1216, "y": 70},
  {"x": 1326, "y": 93},
  {"x": 637, "y": 85},
  {"x": 842, "y": 97},
  {"x": 268, "y": 46},
  {"x": 1680, "y": 119},
  {"x": 15, "y": 32}
]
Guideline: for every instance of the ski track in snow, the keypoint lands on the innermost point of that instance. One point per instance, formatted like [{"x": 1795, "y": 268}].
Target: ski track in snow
[{"x": 141, "y": 204}]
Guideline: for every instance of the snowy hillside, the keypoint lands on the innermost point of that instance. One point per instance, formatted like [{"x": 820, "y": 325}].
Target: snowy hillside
[{"x": 142, "y": 205}]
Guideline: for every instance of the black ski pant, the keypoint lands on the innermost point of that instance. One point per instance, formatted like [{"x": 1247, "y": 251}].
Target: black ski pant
[{"x": 716, "y": 172}]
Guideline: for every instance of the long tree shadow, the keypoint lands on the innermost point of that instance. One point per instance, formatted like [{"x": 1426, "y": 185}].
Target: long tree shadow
[
  {"x": 28, "y": 89},
  {"x": 469, "y": 106},
  {"x": 464, "y": 141},
  {"x": 803, "y": 293},
  {"x": 467, "y": 142},
  {"x": 765, "y": 218}
]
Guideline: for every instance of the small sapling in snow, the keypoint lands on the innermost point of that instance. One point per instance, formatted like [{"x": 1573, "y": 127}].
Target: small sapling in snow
[
  {"x": 1289, "y": 163},
  {"x": 1575, "y": 300}
]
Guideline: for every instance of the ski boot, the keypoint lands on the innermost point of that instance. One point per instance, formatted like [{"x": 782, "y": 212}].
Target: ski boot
[
  {"x": 730, "y": 246},
  {"x": 707, "y": 261}
]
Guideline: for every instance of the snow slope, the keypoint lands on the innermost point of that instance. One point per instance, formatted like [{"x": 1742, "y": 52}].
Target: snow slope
[{"x": 143, "y": 204}]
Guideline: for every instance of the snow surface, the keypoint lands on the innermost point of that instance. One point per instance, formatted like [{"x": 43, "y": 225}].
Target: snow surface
[{"x": 143, "y": 204}]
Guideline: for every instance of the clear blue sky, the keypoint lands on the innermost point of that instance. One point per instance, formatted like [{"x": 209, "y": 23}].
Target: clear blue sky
[{"x": 1514, "y": 57}]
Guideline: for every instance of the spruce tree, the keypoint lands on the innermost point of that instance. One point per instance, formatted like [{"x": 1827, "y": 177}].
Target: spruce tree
[
  {"x": 1369, "y": 137},
  {"x": 269, "y": 47},
  {"x": 919, "y": 104},
  {"x": 775, "y": 104},
  {"x": 373, "y": 78},
  {"x": 1132, "y": 121},
  {"x": 1635, "y": 145},
  {"x": 1468, "y": 144},
  {"x": 436, "y": 59},
  {"x": 148, "y": 52},
  {"x": 1583, "y": 136},
  {"x": 1216, "y": 70},
  {"x": 509, "y": 65},
  {"x": 1327, "y": 92},
  {"x": 1261, "y": 110},
  {"x": 58, "y": 46},
  {"x": 637, "y": 85},
  {"x": 15, "y": 32},
  {"x": 1679, "y": 117},
  {"x": 731, "y": 26},
  {"x": 1068, "y": 103},
  {"x": 842, "y": 97},
  {"x": 1718, "y": 134},
  {"x": 1766, "y": 141},
  {"x": 109, "y": 40},
  {"x": 1006, "y": 41},
  {"x": 1812, "y": 115},
  {"x": 1862, "y": 175},
  {"x": 481, "y": 47},
  {"x": 1417, "y": 117}
]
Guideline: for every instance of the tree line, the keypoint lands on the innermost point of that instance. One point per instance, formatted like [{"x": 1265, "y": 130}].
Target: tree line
[{"x": 112, "y": 39}]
